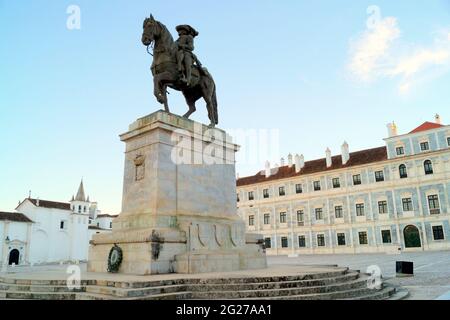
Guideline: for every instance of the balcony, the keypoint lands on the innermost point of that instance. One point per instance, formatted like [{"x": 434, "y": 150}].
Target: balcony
[
  {"x": 435, "y": 211},
  {"x": 301, "y": 224}
]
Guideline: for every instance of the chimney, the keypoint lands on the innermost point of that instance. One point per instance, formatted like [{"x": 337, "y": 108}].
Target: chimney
[
  {"x": 282, "y": 162},
  {"x": 37, "y": 202},
  {"x": 299, "y": 163},
  {"x": 392, "y": 129},
  {"x": 328, "y": 157},
  {"x": 345, "y": 153},
  {"x": 302, "y": 161},
  {"x": 267, "y": 169},
  {"x": 290, "y": 163},
  {"x": 437, "y": 119}
]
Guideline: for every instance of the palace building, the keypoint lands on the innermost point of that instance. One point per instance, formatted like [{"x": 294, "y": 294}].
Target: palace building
[
  {"x": 387, "y": 199},
  {"x": 43, "y": 231}
]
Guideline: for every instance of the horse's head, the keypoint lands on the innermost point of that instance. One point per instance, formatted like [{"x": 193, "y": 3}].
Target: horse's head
[{"x": 151, "y": 31}]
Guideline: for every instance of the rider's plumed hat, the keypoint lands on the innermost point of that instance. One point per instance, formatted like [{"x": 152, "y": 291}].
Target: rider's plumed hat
[{"x": 188, "y": 29}]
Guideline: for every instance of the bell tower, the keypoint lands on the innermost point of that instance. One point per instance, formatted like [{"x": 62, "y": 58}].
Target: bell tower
[{"x": 80, "y": 204}]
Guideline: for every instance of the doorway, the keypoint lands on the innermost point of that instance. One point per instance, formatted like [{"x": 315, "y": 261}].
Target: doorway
[
  {"x": 14, "y": 257},
  {"x": 412, "y": 237}
]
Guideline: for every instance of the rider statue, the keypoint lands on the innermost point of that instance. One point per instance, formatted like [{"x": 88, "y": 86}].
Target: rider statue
[{"x": 185, "y": 55}]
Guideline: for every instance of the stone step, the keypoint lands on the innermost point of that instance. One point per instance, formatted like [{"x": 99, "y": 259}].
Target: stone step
[
  {"x": 38, "y": 295},
  {"x": 162, "y": 296},
  {"x": 384, "y": 293},
  {"x": 233, "y": 280},
  {"x": 38, "y": 288},
  {"x": 275, "y": 285},
  {"x": 336, "y": 295},
  {"x": 399, "y": 294},
  {"x": 349, "y": 285},
  {"x": 139, "y": 292},
  {"x": 28, "y": 282}
]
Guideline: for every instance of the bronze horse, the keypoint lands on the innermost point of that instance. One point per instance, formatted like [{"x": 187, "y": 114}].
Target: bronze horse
[{"x": 165, "y": 72}]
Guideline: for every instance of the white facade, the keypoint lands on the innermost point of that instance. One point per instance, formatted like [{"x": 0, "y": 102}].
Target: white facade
[
  {"x": 378, "y": 200},
  {"x": 55, "y": 232}
]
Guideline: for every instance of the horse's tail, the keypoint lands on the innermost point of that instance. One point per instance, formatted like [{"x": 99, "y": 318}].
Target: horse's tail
[{"x": 214, "y": 102}]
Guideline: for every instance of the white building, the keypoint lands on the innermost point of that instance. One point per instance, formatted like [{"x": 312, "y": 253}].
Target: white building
[
  {"x": 45, "y": 231},
  {"x": 390, "y": 198}
]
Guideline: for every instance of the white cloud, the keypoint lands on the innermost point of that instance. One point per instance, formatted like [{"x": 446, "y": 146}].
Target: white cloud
[
  {"x": 408, "y": 66},
  {"x": 374, "y": 56},
  {"x": 371, "y": 47}
]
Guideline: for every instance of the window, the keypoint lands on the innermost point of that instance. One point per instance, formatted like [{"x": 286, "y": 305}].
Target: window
[
  {"x": 281, "y": 191},
  {"x": 98, "y": 224},
  {"x": 79, "y": 209},
  {"x": 382, "y": 207},
  {"x": 336, "y": 183},
  {"x": 266, "y": 218},
  {"x": 338, "y": 212},
  {"x": 402, "y": 171},
  {"x": 84, "y": 209},
  {"x": 319, "y": 214},
  {"x": 341, "y": 239},
  {"x": 356, "y": 179},
  {"x": 386, "y": 236},
  {"x": 267, "y": 243},
  {"x": 298, "y": 188},
  {"x": 433, "y": 204},
  {"x": 428, "y": 167},
  {"x": 282, "y": 217},
  {"x": 360, "y": 209},
  {"x": 407, "y": 204},
  {"x": 266, "y": 193},
  {"x": 301, "y": 241},
  {"x": 251, "y": 220},
  {"x": 438, "y": 233},
  {"x": 110, "y": 225},
  {"x": 321, "y": 240},
  {"x": 362, "y": 237},
  {"x": 62, "y": 225},
  {"x": 251, "y": 196},
  {"x": 448, "y": 141},
  {"x": 300, "y": 217},
  {"x": 284, "y": 242},
  {"x": 400, "y": 151},
  {"x": 379, "y": 176},
  {"x": 237, "y": 197},
  {"x": 424, "y": 146},
  {"x": 316, "y": 185}
]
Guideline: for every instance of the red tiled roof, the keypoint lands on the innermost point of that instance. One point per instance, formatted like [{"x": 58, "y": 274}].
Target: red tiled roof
[
  {"x": 51, "y": 204},
  {"x": 319, "y": 165},
  {"x": 14, "y": 216},
  {"x": 427, "y": 126}
]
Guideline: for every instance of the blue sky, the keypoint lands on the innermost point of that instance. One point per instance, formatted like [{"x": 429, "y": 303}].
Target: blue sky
[{"x": 313, "y": 70}]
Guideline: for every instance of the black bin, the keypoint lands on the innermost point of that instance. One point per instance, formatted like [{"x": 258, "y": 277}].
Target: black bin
[{"x": 404, "y": 268}]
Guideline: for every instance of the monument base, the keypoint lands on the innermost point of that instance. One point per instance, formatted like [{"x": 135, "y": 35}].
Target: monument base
[{"x": 179, "y": 211}]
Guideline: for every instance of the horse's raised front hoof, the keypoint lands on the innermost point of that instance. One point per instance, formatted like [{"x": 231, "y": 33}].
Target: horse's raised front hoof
[{"x": 186, "y": 115}]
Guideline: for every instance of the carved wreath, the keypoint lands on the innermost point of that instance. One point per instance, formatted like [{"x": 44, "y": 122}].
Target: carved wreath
[{"x": 115, "y": 259}]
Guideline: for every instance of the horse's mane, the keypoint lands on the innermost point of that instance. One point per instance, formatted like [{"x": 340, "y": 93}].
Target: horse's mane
[{"x": 166, "y": 36}]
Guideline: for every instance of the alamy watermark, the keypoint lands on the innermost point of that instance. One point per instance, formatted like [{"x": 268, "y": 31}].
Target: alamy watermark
[
  {"x": 214, "y": 146},
  {"x": 374, "y": 281},
  {"x": 73, "y": 281},
  {"x": 73, "y": 21}
]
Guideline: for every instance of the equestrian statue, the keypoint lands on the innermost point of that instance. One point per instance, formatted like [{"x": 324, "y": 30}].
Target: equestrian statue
[{"x": 176, "y": 66}]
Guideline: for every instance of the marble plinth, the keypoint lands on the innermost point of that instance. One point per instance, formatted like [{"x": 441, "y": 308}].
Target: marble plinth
[{"x": 179, "y": 211}]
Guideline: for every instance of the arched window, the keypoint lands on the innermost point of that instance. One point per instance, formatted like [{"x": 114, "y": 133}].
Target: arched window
[
  {"x": 84, "y": 208},
  {"x": 428, "y": 167},
  {"x": 79, "y": 209},
  {"x": 402, "y": 171}
]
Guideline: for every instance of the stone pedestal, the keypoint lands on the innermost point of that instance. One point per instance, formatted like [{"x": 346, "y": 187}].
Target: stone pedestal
[{"x": 179, "y": 211}]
